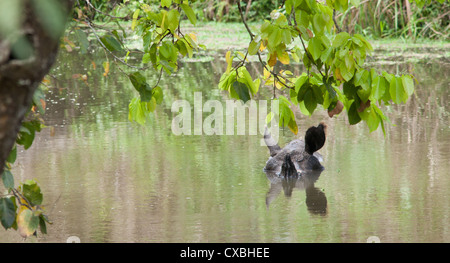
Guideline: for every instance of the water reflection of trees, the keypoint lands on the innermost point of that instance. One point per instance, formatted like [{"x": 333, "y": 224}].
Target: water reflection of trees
[
  {"x": 131, "y": 162},
  {"x": 106, "y": 98},
  {"x": 428, "y": 109}
]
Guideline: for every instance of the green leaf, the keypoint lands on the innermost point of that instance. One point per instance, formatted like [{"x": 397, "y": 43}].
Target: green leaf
[
  {"x": 353, "y": 116},
  {"x": 318, "y": 23},
  {"x": 253, "y": 47},
  {"x": 7, "y": 212},
  {"x": 362, "y": 78},
  {"x": 325, "y": 57},
  {"x": 340, "y": 40},
  {"x": 379, "y": 84},
  {"x": 242, "y": 91},
  {"x": 364, "y": 41},
  {"x": 310, "y": 101},
  {"x": 151, "y": 105},
  {"x": 137, "y": 111},
  {"x": 274, "y": 38},
  {"x": 32, "y": 192},
  {"x": 397, "y": 91},
  {"x": 348, "y": 59},
  {"x": 168, "y": 66},
  {"x": 303, "y": 110},
  {"x": 330, "y": 89},
  {"x": 269, "y": 117},
  {"x": 343, "y": 5},
  {"x": 231, "y": 79},
  {"x": 408, "y": 84},
  {"x": 182, "y": 47},
  {"x": 381, "y": 116},
  {"x": 293, "y": 96},
  {"x": 389, "y": 77},
  {"x": 42, "y": 225},
  {"x": 140, "y": 84},
  {"x": 306, "y": 60},
  {"x": 135, "y": 17},
  {"x": 8, "y": 179},
  {"x": 146, "y": 58},
  {"x": 347, "y": 73},
  {"x": 153, "y": 57},
  {"x": 281, "y": 21},
  {"x": 292, "y": 125},
  {"x": 287, "y": 117},
  {"x": 12, "y": 155},
  {"x": 300, "y": 81},
  {"x": 157, "y": 93},
  {"x": 256, "y": 84},
  {"x": 357, "y": 41},
  {"x": 223, "y": 82},
  {"x": 315, "y": 47},
  {"x": 373, "y": 120},
  {"x": 350, "y": 90},
  {"x": 147, "y": 40},
  {"x": 189, "y": 13},
  {"x": 173, "y": 19},
  {"x": 111, "y": 43},
  {"x": 286, "y": 36},
  {"x": 302, "y": 18},
  {"x": 266, "y": 29},
  {"x": 317, "y": 92},
  {"x": 83, "y": 40},
  {"x": 26, "y": 134},
  {"x": 302, "y": 91},
  {"x": 168, "y": 51},
  {"x": 166, "y": 3},
  {"x": 288, "y": 6},
  {"x": 248, "y": 80}
]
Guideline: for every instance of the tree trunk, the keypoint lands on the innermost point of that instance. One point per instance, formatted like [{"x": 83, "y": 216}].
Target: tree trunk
[
  {"x": 408, "y": 17},
  {"x": 247, "y": 9},
  {"x": 21, "y": 75}
]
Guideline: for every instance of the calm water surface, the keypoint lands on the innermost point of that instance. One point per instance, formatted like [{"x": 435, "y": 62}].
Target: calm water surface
[{"x": 106, "y": 179}]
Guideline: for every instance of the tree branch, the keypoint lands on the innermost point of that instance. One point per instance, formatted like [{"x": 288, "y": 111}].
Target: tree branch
[
  {"x": 243, "y": 20},
  {"x": 335, "y": 22},
  {"x": 105, "y": 14},
  {"x": 304, "y": 48},
  {"x": 109, "y": 51}
]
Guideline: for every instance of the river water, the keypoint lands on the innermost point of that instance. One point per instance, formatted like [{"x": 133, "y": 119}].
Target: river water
[{"x": 106, "y": 179}]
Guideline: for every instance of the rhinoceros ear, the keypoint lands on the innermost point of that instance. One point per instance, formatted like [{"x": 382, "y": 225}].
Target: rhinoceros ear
[
  {"x": 315, "y": 138},
  {"x": 273, "y": 146}
]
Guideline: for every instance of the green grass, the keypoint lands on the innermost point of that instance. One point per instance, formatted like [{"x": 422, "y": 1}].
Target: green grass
[{"x": 220, "y": 36}]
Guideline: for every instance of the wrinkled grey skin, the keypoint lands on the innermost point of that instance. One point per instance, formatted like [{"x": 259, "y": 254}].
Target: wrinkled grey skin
[{"x": 291, "y": 160}]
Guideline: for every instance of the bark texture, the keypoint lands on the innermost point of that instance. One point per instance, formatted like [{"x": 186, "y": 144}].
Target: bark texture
[{"x": 19, "y": 77}]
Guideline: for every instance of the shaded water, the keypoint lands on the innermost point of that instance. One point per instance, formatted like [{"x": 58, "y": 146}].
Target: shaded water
[{"x": 105, "y": 179}]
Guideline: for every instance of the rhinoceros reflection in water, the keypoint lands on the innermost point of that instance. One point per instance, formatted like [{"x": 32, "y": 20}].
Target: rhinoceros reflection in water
[{"x": 316, "y": 201}]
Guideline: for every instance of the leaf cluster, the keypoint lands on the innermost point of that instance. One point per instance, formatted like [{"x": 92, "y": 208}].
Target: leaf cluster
[
  {"x": 335, "y": 77},
  {"x": 163, "y": 43},
  {"x": 21, "y": 208}
]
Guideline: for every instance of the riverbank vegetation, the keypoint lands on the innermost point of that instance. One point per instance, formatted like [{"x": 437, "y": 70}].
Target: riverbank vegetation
[{"x": 422, "y": 19}]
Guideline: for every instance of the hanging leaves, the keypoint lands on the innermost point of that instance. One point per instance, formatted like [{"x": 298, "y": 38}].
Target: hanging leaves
[
  {"x": 140, "y": 84},
  {"x": 22, "y": 209},
  {"x": 111, "y": 43},
  {"x": 7, "y": 212}
]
